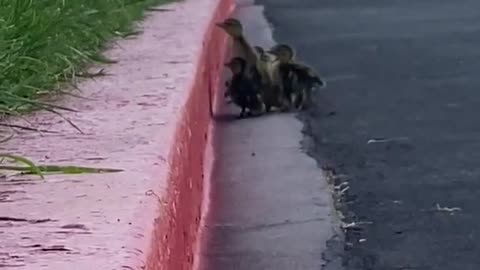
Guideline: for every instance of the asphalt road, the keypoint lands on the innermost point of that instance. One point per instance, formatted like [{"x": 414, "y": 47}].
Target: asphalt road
[{"x": 406, "y": 70}]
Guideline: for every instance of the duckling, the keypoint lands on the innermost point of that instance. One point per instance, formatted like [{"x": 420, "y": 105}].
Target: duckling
[
  {"x": 285, "y": 56},
  {"x": 270, "y": 86},
  {"x": 304, "y": 81},
  {"x": 226, "y": 95},
  {"x": 261, "y": 71},
  {"x": 241, "y": 89},
  {"x": 241, "y": 47},
  {"x": 298, "y": 79},
  {"x": 255, "y": 70}
]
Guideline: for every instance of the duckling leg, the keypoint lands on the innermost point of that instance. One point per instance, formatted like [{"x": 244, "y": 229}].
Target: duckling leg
[
  {"x": 300, "y": 100},
  {"x": 267, "y": 103},
  {"x": 255, "y": 105},
  {"x": 279, "y": 99},
  {"x": 284, "y": 104},
  {"x": 268, "y": 107},
  {"x": 227, "y": 94},
  {"x": 242, "y": 113},
  {"x": 307, "y": 100},
  {"x": 301, "y": 105},
  {"x": 291, "y": 96},
  {"x": 228, "y": 99},
  {"x": 248, "y": 106},
  {"x": 260, "y": 106},
  {"x": 295, "y": 100}
]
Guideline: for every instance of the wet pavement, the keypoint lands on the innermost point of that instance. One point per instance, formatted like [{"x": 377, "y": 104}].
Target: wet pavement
[
  {"x": 271, "y": 206},
  {"x": 405, "y": 71}
]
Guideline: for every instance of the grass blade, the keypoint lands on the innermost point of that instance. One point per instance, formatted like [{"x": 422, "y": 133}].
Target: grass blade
[{"x": 31, "y": 167}]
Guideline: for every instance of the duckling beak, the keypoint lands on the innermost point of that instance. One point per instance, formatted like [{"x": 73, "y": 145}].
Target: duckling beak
[
  {"x": 221, "y": 25},
  {"x": 272, "y": 52}
]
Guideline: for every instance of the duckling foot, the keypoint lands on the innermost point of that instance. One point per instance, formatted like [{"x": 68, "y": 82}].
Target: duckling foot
[
  {"x": 301, "y": 106},
  {"x": 255, "y": 112},
  {"x": 332, "y": 113},
  {"x": 298, "y": 103},
  {"x": 242, "y": 114},
  {"x": 285, "y": 105},
  {"x": 285, "y": 108},
  {"x": 268, "y": 108}
]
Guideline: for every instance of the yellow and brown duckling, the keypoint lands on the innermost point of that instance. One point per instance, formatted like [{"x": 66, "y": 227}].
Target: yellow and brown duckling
[
  {"x": 241, "y": 46},
  {"x": 298, "y": 79},
  {"x": 271, "y": 87},
  {"x": 243, "y": 49},
  {"x": 242, "y": 89},
  {"x": 262, "y": 67}
]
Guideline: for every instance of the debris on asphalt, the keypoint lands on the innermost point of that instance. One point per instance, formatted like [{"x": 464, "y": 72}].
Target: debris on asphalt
[
  {"x": 355, "y": 224},
  {"x": 385, "y": 140},
  {"x": 447, "y": 209},
  {"x": 341, "y": 185},
  {"x": 344, "y": 190}
]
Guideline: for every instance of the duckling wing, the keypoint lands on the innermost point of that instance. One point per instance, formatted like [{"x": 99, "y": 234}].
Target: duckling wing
[
  {"x": 265, "y": 70},
  {"x": 274, "y": 72},
  {"x": 244, "y": 49},
  {"x": 304, "y": 72}
]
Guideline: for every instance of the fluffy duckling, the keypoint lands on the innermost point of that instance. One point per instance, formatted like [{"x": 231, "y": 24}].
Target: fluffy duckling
[
  {"x": 241, "y": 88},
  {"x": 270, "y": 87},
  {"x": 241, "y": 47},
  {"x": 257, "y": 69},
  {"x": 284, "y": 72},
  {"x": 304, "y": 82},
  {"x": 298, "y": 79}
]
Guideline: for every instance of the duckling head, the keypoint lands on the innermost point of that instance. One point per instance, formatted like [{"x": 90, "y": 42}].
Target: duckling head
[
  {"x": 262, "y": 54},
  {"x": 236, "y": 65},
  {"x": 232, "y": 26},
  {"x": 283, "y": 52},
  {"x": 259, "y": 50}
]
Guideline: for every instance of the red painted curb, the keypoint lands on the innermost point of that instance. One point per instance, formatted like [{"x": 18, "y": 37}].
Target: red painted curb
[{"x": 175, "y": 238}]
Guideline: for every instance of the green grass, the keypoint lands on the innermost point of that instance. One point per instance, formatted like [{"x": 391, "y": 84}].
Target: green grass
[
  {"x": 44, "y": 43},
  {"x": 31, "y": 168}
]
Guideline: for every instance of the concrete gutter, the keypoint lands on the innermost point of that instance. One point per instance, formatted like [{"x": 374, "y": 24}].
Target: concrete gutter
[
  {"x": 272, "y": 206},
  {"x": 150, "y": 118}
]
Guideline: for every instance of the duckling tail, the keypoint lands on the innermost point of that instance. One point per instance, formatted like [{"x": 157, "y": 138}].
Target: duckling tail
[{"x": 320, "y": 82}]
